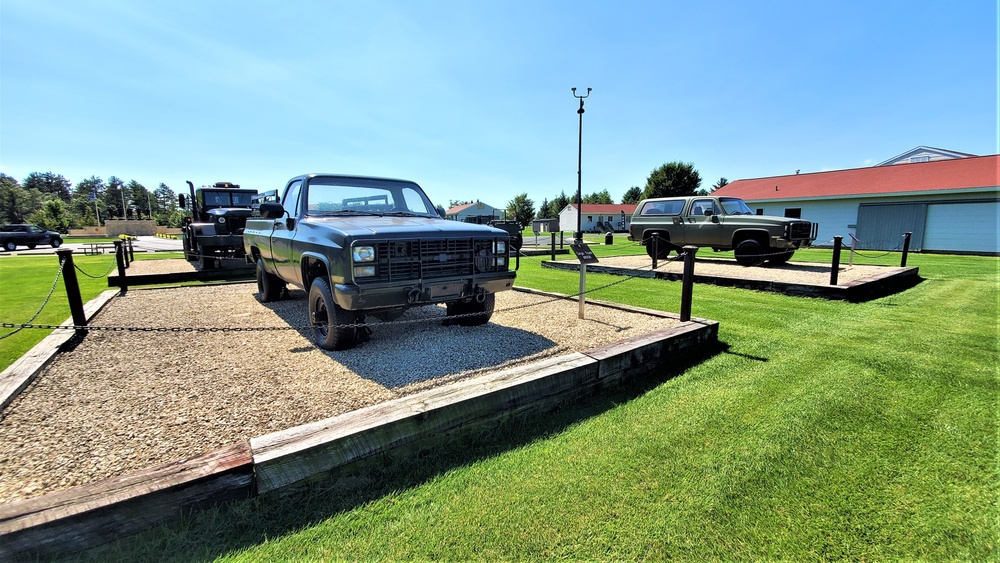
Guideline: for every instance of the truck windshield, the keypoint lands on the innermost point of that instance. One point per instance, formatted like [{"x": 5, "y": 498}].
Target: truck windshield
[
  {"x": 350, "y": 196},
  {"x": 227, "y": 199},
  {"x": 734, "y": 206}
]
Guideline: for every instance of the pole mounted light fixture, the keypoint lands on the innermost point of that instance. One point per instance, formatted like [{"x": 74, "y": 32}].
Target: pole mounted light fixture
[{"x": 578, "y": 237}]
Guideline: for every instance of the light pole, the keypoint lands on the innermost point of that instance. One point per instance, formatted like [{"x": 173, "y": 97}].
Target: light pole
[{"x": 578, "y": 238}]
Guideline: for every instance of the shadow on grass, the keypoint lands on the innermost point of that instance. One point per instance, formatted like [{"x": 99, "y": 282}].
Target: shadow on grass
[{"x": 212, "y": 533}]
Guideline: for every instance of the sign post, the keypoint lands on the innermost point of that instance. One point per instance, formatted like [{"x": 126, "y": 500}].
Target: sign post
[{"x": 586, "y": 256}]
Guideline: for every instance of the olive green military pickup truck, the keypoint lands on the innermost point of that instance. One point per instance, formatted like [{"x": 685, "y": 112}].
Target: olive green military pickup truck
[
  {"x": 373, "y": 246},
  {"x": 719, "y": 223}
]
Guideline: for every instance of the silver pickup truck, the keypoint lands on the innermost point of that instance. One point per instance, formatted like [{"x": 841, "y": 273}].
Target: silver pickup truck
[
  {"x": 720, "y": 223},
  {"x": 373, "y": 246}
]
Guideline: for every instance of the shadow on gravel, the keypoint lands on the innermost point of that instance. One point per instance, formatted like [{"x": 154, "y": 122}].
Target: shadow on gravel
[
  {"x": 417, "y": 347},
  {"x": 210, "y": 534}
]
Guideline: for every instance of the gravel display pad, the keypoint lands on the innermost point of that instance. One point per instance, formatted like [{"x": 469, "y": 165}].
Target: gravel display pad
[{"x": 122, "y": 401}]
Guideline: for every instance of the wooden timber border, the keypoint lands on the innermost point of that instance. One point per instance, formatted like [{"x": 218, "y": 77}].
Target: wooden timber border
[
  {"x": 75, "y": 519},
  {"x": 892, "y": 281}
]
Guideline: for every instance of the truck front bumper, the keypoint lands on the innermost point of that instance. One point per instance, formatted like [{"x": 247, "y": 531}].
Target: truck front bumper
[{"x": 354, "y": 297}]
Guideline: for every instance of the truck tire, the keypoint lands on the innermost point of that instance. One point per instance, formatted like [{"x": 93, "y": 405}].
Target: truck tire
[
  {"x": 9, "y": 246},
  {"x": 749, "y": 253},
  {"x": 205, "y": 262},
  {"x": 269, "y": 286},
  {"x": 782, "y": 258},
  {"x": 485, "y": 310},
  {"x": 663, "y": 248},
  {"x": 325, "y": 315}
]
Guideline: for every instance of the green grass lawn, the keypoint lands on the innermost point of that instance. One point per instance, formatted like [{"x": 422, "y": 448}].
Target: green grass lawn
[{"x": 821, "y": 430}]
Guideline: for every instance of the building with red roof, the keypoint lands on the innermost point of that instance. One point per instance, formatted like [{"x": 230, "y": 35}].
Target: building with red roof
[
  {"x": 597, "y": 217},
  {"x": 949, "y": 203}
]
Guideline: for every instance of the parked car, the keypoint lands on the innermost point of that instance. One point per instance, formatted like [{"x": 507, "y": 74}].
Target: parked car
[
  {"x": 373, "y": 247},
  {"x": 12, "y": 236},
  {"x": 720, "y": 223}
]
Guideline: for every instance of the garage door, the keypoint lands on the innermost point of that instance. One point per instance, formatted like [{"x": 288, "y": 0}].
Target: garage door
[
  {"x": 963, "y": 227},
  {"x": 881, "y": 226}
]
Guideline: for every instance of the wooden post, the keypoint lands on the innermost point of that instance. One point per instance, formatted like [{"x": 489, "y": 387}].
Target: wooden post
[
  {"x": 583, "y": 285},
  {"x": 906, "y": 248},
  {"x": 131, "y": 252},
  {"x": 552, "y": 253},
  {"x": 687, "y": 282},
  {"x": 835, "y": 268},
  {"x": 120, "y": 259},
  {"x": 72, "y": 289}
]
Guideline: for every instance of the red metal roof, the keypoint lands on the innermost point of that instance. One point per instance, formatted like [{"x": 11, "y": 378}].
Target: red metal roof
[{"x": 956, "y": 174}]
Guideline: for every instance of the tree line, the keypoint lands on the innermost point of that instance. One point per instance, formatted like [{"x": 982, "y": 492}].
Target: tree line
[
  {"x": 673, "y": 179},
  {"x": 51, "y": 201}
]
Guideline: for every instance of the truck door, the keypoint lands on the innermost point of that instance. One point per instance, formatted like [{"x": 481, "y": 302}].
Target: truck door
[
  {"x": 286, "y": 265},
  {"x": 703, "y": 223}
]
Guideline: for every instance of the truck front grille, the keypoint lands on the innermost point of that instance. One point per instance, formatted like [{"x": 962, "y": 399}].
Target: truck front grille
[
  {"x": 801, "y": 230},
  {"x": 401, "y": 260}
]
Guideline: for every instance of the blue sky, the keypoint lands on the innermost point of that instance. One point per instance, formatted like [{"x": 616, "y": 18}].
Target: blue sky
[{"x": 472, "y": 99}]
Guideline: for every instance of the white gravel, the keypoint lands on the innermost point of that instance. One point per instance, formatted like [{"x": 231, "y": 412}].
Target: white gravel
[{"x": 123, "y": 401}]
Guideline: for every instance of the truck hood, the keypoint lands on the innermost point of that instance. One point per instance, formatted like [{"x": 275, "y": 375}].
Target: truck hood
[{"x": 373, "y": 225}]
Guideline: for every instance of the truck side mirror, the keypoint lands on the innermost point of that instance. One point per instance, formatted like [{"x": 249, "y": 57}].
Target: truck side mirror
[
  {"x": 715, "y": 218},
  {"x": 271, "y": 210},
  {"x": 181, "y": 201}
]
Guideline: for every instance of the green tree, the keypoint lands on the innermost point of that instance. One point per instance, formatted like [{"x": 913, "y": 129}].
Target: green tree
[
  {"x": 558, "y": 204},
  {"x": 82, "y": 205},
  {"x": 16, "y": 203},
  {"x": 49, "y": 183},
  {"x": 138, "y": 199},
  {"x": 721, "y": 183},
  {"x": 544, "y": 212},
  {"x": 599, "y": 197},
  {"x": 112, "y": 201},
  {"x": 521, "y": 209},
  {"x": 52, "y": 216},
  {"x": 632, "y": 195},
  {"x": 671, "y": 180}
]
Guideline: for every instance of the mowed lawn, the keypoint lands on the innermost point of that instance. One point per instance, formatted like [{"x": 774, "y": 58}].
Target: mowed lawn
[{"x": 821, "y": 430}]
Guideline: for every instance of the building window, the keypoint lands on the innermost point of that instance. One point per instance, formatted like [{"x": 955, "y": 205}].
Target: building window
[
  {"x": 760, "y": 211},
  {"x": 590, "y": 218},
  {"x": 793, "y": 212},
  {"x": 924, "y": 158}
]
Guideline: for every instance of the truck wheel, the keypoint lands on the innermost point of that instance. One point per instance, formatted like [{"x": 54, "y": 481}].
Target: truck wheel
[
  {"x": 9, "y": 246},
  {"x": 325, "y": 315},
  {"x": 269, "y": 286},
  {"x": 205, "y": 262},
  {"x": 663, "y": 248},
  {"x": 485, "y": 310},
  {"x": 56, "y": 242},
  {"x": 781, "y": 258},
  {"x": 749, "y": 253}
]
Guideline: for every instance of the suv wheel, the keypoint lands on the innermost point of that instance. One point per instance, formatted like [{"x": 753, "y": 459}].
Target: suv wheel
[
  {"x": 325, "y": 316},
  {"x": 10, "y": 247},
  {"x": 269, "y": 286},
  {"x": 749, "y": 253},
  {"x": 485, "y": 310},
  {"x": 663, "y": 248},
  {"x": 56, "y": 242}
]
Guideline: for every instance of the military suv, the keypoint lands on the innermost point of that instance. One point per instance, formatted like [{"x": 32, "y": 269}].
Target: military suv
[
  {"x": 365, "y": 246},
  {"x": 720, "y": 223}
]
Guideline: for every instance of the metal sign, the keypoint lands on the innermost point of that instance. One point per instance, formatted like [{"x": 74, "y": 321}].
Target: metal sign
[{"x": 583, "y": 253}]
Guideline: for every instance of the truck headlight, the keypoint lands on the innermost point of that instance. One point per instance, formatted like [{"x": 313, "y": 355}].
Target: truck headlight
[
  {"x": 501, "y": 247},
  {"x": 363, "y": 254}
]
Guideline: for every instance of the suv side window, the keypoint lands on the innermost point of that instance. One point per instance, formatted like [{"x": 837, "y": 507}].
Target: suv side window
[
  {"x": 290, "y": 201},
  {"x": 700, "y": 206}
]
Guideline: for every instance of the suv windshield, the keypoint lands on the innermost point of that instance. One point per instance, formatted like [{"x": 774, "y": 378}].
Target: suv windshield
[
  {"x": 734, "y": 206},
  {"x": 342, "y": 196}
]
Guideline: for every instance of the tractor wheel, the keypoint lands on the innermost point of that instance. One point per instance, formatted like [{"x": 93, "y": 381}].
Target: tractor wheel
[
  {"x": 326, "y": 316},
  {"x": 269, "y": 286},
  {"x": 749, "y": 253}
]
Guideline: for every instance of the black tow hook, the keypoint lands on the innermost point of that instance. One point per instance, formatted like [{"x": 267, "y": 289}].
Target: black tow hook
[
  {"x": 412, "y": 296},
  {"x": 480, "y": 295}
]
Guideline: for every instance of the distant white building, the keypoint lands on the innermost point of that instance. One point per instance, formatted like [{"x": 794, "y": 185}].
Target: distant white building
[
  {"x": 474, "y": 210},
  {"x": 597, "y": 217}
]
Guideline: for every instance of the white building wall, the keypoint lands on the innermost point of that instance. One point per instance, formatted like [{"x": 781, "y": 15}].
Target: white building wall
[{"x": 979, "y": 230}]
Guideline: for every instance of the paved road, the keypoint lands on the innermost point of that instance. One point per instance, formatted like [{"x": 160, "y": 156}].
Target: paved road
[{"x": 141, "y": 244}]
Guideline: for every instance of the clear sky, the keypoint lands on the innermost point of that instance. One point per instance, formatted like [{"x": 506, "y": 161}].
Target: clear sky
[{"x": 472, "y": 99}]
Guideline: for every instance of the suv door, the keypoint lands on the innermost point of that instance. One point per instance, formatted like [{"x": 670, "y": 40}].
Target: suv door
[{"x": 703, "y": 224}]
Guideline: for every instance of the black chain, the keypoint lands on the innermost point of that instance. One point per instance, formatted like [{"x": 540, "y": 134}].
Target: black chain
[
  {"x": 62, "y": 264},
  {"x": 104, "y": 275}
]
